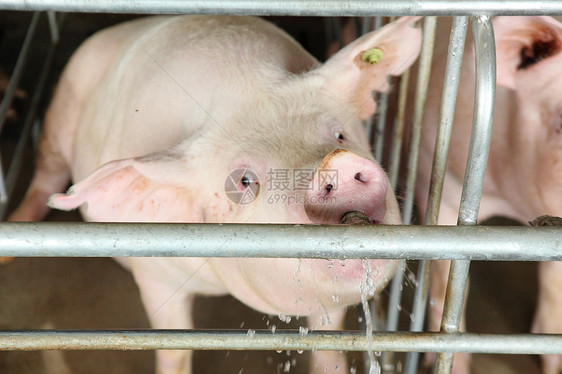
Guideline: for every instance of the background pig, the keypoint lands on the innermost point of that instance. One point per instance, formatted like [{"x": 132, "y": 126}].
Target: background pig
[
  {"x": 524, "y": 174},
  {"x": 173, "y": 106}
]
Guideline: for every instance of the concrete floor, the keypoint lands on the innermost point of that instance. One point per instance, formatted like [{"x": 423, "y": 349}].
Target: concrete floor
[{"x": 84, "y": 293}]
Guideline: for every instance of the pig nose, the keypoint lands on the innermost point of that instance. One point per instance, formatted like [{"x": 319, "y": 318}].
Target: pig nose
[{"x": 345, "y": 182}]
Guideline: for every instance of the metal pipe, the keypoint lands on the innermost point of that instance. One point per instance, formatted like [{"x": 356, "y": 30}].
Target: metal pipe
[
  {"x": 395, "y": 295},
  {"x": 297, "y": 7},
  {"x": 53, "y": 26},
  {"x": 485, "y": 56},
  {"x": 382, "y": 105},
  {"x": 446, "y": 116},
  {"x": 30, "y": 340},
  {"x": 448, "y": 100},
  {"x": 79, "y": 239},
  {"x": 398, "y": 130},
  {"x": 422, "y": 83}
]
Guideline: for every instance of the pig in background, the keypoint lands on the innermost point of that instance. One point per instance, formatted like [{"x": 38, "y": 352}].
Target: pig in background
[
  {"x": 524, "y": 174},
  {"x": 236, "y": 94}
]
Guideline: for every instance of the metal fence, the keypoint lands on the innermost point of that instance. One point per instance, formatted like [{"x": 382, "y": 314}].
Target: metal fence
[{"x": 424, "y": 242}]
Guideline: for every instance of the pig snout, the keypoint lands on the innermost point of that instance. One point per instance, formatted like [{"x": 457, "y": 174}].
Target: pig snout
[{"x": 346, "y": 182}]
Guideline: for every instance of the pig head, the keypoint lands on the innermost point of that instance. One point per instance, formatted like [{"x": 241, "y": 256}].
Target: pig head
[
  {"x": 223, "y": 119},
  {"x": 524, "y": 174}
]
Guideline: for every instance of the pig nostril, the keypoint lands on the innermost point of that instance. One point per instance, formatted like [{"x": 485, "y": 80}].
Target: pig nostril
[{"x": 360, "y": 178}]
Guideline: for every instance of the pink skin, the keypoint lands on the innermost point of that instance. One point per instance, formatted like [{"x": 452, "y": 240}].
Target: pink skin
[
  {"x": 151, "y": 136},
  {"x": 524, "y": 175}
]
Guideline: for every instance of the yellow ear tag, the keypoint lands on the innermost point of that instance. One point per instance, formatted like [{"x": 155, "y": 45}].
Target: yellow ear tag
[{"x": 372, "y": 56}]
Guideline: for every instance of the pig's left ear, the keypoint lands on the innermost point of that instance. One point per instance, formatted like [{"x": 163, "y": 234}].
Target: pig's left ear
[
  {"x": 141, "y": 189},
  {"x": 523, "y": 42},
  {"x": 363, "y": 66}
]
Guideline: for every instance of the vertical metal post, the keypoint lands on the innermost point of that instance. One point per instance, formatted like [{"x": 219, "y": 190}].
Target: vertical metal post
[
  {"x": 421, "y": 95},
  {"x": 398, "y": 133},
  {"x": 53, "y": 26},
  {"x": 419, "y": 104},
  {"x": 382, "y": 101},
  {"x": 377, "y": 24},
  {"x": 446, "y": 115},
  {"x": 485, "y": 56}
]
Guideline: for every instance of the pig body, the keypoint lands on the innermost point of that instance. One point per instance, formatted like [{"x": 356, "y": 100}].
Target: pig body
[
  {"x": 524, "y": 175},
  {"x": 150, "y": 119}
]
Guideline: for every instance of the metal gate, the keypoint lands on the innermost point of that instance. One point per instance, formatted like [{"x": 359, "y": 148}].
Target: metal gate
[{"x": 424, "y": 242}]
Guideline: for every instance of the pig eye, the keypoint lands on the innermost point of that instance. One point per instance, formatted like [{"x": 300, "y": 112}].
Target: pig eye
[
  {"x": 246, "y": 180},
  {"x": 339, "y": 136}
]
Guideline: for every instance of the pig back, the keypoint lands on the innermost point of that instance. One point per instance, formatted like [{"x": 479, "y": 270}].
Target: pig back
[{"x": 176, "y": 77}]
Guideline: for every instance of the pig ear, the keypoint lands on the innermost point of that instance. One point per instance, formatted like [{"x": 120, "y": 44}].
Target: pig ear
[
  {"x": 523, "y": 42},
  {"x": 363, "y": 66},
  {"x": 141, "y": 189}
]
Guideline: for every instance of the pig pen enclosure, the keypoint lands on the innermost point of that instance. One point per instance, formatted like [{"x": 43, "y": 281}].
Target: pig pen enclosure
[{"x": 61, "y": 287}]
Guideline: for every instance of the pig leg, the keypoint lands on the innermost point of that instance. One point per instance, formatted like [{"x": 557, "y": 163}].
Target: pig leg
[
  {"x": 326, "y": 362},
  {"x": 548, "y": 316},
  {"x": 167, "y": 308},
  {"x": 52, "y": 173}
]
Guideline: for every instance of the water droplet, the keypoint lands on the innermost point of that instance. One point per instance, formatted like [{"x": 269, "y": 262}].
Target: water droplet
[
  {"x": 287, "y": 367},
  {"x": 335, "y": 298},
  {"x": 342, "y": 262},
  {"x": 303, "y": 331},
  {"x": 242, "y": 324},
  {"x": 330, "y": 263},
  {"x": 251, "y": 333},
  {"x": 300, "y": 351}
]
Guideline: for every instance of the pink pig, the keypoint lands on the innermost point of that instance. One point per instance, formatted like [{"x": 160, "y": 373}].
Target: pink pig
[
  {"x": 524, "y": 175},
  {"x": 151, "y": 117}
]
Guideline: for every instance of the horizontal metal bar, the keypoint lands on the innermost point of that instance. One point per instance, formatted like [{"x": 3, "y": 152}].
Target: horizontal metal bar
[
  {"x": 79, "y": 239},
  {"x": 298, "y": 7},
  {"x": 28, "y": 340}
]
